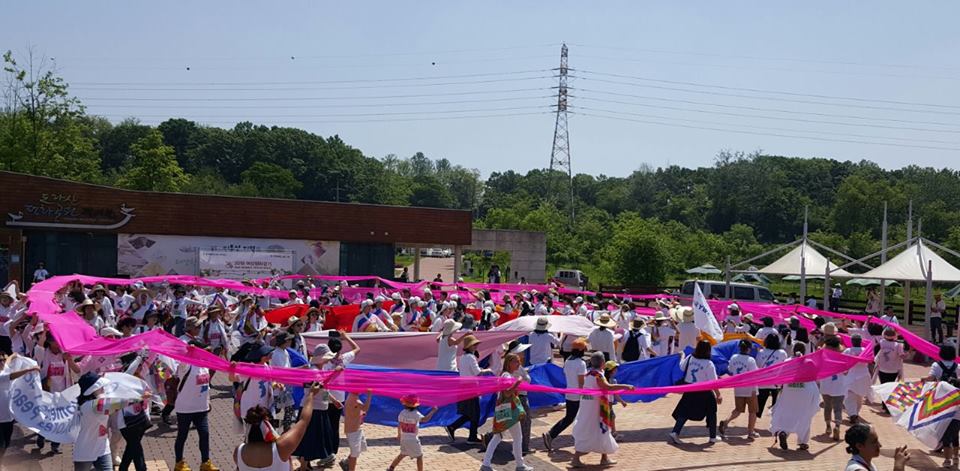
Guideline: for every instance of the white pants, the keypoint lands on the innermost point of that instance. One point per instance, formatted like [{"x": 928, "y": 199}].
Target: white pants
[
  {"x": 852, "y": 403},
  {"x": 516, "y": 436}
]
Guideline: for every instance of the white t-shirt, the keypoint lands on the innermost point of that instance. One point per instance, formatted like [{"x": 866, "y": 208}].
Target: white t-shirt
[
  {"x": 688, "y": 332},
  {"x": 40, "y": 274},
  {"x": 409, "y": 423},
  {"x": 5, "y": 414},
  {"x": 195, "y": 395},
  {"x": 835, "y": 386},
  {"x": 740, "y": 363},
  {"x": 446, "y": 355},
  {"x": 891, "y": 319},
  {"x": 765, "y": 331},
  {"x": 767, "y": 358},
  {"x": 936, "y": 371},
  {"x": 280, "y": 358},
  {"x": 890, "y": 357},
  {"x": 601, "y": 340},
  {"x": 94, "y": 438},
  {"x": 860, "y": 369},
  {"x": 541, "y": 347},
  {"x": 469, "y": 365},
  {"x": 662, "y": 345},
  {"x": 56, "y": 371},
  {"x": 343, "y": 360},
  {"x": 259, "y": 392},
  {"x": 573, "y": 368},
  {"x": 698, "y": 370}
]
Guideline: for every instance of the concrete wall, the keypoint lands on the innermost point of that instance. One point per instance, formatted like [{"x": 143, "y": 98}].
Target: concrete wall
[{"x": 528, "y": 250}]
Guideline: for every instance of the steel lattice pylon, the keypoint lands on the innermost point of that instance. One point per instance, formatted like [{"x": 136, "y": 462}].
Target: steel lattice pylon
[{"x": 560, "y": 154}]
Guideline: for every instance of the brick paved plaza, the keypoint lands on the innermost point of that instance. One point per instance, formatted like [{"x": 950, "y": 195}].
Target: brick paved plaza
[{"x": 643, "y": 445}]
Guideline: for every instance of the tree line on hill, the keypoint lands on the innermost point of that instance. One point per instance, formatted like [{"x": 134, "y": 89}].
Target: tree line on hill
[{"x": 644, "y": 228}]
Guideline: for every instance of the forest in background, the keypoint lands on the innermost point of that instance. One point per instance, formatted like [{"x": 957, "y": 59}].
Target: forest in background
[{"x": 645, "y": 228}]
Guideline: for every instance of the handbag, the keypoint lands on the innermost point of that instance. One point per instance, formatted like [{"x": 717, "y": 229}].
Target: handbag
[
  {"x": 507, "y": 413},
  {"x": 683, "y": 379}
]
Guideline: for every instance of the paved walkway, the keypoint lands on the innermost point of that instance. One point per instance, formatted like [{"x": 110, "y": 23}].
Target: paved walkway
[{"x": 643, "y": 445}]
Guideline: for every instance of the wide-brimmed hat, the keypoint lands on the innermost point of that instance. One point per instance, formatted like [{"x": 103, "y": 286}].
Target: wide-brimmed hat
[
  {"x": 516, "y": 347},
  {"x": 470, "y": 341},
  {"x": 747, "y": 317},
  {"x": 98, "y": 288},
  {"x": 580, "y": 344},
  {"x": 110, "y": 332},
  {"x": 215, "y": 307},
  {"x": 450, "y": 326},
  {"x": 410, "y": 400},
  {"x": 9, "y": 291},
  {"x": 192, "y": 323},
  {"x": 578, "y": 300},
  {"x": 638, "y": 322},
  {"x": 396, "y": 296},
  {"x": 829, "y": 328},
  {"x": 257, "y": 354},
  {"x": 86, "y": 302},
  {"x": 660, "y": 317},
  {"x": 605, "y": 321},
  {"x": 543, "y": 323},
  {"x": 686, "y": 312}
]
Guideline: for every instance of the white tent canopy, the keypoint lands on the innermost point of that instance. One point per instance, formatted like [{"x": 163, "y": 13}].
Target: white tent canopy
[
  {"x": 911, "y": 265},
  {"x": 815, "y": 264}
]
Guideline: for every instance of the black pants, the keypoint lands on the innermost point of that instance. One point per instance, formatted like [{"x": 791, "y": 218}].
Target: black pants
[
  {"x": 334, "y": 415},
  {"x": 6, "y": 433},
  {"x": 468, "y": 413},
  {"x": 762, "y": 399},
  {"x": 199, "y": 421},
  {"x": 133, "y": 451},
  {"x": 569, "y": 415},
  {"x": 887, "y": 377},
  {"x": 936, "y": 330}
]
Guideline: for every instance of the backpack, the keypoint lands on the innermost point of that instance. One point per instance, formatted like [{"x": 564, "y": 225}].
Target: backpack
[
  {"x": 949, "y": 375},
  {"x": 631, "y": 349}
]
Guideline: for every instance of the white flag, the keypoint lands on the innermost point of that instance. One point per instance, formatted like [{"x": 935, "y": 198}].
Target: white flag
[{"x": 703, "y": 316}]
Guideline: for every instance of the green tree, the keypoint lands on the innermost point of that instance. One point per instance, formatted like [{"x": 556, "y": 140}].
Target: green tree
[
  {"x": 153, "y": 166},
  {"x": 637, "y": 253},
  {"x": 271, "y": 181}
]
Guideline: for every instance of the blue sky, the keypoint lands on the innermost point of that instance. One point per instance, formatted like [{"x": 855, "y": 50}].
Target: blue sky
[{"x": 655, "y": 83}]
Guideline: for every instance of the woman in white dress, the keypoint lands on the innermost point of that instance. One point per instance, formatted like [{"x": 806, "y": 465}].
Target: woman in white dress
[
  {"x": 591, "y": 432},
  {"x": 797, "y": 406},
  {"x": 859, "y": 381}
]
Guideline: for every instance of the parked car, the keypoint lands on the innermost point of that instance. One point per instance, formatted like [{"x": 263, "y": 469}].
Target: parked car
[
  {"x": 436, "y": 252},
  {"x": 574, "y": 279},
  {"x": 718, "y": 289}
]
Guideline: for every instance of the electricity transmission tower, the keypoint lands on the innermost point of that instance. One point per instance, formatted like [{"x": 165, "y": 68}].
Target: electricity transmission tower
[{"x": 560, "y": 155}]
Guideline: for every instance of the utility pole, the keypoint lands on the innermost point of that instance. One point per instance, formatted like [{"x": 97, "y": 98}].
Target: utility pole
[{"x": 560, "y": 154}]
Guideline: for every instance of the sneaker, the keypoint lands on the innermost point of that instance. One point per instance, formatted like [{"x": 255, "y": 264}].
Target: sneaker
[
  {"x": 782, "y": 438},
  {"x": 344, "y": 465},
  {"x": 547, "y": 442},
  {"x": 484, "y": 467},
  {"x": 208, "y": 466},
  {"x": 55, "y": 449},
  {"x": 947, "y": 463},
  {"x": 722, "y": 428},
  {"x": 327, "y": 462},
  {"x": 449, "y": 432},
  {"x": 753, "y": 434},
  {"x": 715, "y": 439},
  {"x": 524, "y": 468},
  {"x": 181, "y": 466},
  {"x": 675, "y": 439}
]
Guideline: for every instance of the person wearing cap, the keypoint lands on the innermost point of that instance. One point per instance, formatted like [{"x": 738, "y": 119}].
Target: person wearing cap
[
  {"x": 255, "y": 391},
  {"x": 687, "y": 331},
  {"x": 489, "y": 316},
  {"x": 591, "y": 431},
  {"x": 385, "y": 318},
  {"x": 366, "y": 321},
  {"x": 469, "y": 409},
  {"x": 91, "y": 450},
  {"x": 191, "y": 331},
  {"x": 542, "y": 342},
  {"x": 602, "y": 338},
  {"x": 574, "y": 370},
  {"x": 213, "y": 332},
  {"x": 293, "y": 297},
  {"x": 448, "y": 345},
  {"x": 317, "y": 443},
  {"x": 192, "y": 407},
  {"x": 636, "y": 344},
  {"x": 181, "y": 303},
  {"x": 412, "y": 315},
  {"x": 6, "y": 414},
  {"x": 408, "y": 431},
  {"x": 10, "y": 310},
  {"x": 446, "y": 311},
  {"x": 314, "y": 320}
]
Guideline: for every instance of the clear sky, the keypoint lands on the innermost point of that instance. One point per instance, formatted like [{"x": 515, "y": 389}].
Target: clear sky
[{"x": 654, "y": 83}]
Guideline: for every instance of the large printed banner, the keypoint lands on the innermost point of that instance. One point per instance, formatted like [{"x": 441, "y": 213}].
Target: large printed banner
[
  {"x": 141, "y": 255},
  {"x": 243, "y": 264},
  {"x": 923, "y": 409}
]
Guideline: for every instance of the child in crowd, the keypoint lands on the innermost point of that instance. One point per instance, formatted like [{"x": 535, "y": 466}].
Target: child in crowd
[
  {"x": 832, "y": 390},
  {"x": 354, "y": 411},
  {"x": 745, "y": 398},
  {"x": 609, "y": 371},
  {"x": 408, "y": 430}
]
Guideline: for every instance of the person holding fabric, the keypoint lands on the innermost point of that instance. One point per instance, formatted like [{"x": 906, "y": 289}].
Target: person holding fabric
[
  {"x": 863, "y": 444},
  {"x": 769, "y": 356},
  {"x": 317, "y": 442},
  {"x": 263, "y": 449},
  {"x": 181, "y": 303},
  {"x": 509, "y": 422},
  {"x": 192, "y": 408},
  {"x": 542, "y": 342},
  {"x": 354, "y": 412},
  {"x": 945, "y": 370},
  {"x": 745, "y": 398},
  {"x": 99, "y": 295},
  {"x": 602, "y": 338},
  {"x": 798, "y": 405},
  {"x": 859, "y": 380},
  {"x": 134, "y": 421},
  {"x": 525, "y": 422},
  {"x": 255, "y": 391},
  {"x": 314, "y": 321},
  {"x": 447, "y": 346},
  {"x": 213, "y": 332},
  {"x": 469, "y": 409},
  {"x": 832, "y": 390},
  {"x": 150, "y": 324},
  {"x": 6, "y": 416},
  {"x": 57, "y": 373},
  {"x": 686, "y": 329},
  {"x": 574, "y": 371},
  {"x": 591, "y": 431},
  {"x": 636, "y": 345},
  {"x": 366, "y": 321},
  {"x": 342, "y": 359},
  {"x": 91, "y": 450},
  {"x": 697, "y": 405},
  {"x": 889, "y": 358},
  {"x": 408, "y": 431},
  {"x": 662, "y": 335}
]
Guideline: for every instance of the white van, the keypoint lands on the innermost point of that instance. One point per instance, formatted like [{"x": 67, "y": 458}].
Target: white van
[
  {"x": 574, "y": 279},
  {"x": 718, "y": 289}
]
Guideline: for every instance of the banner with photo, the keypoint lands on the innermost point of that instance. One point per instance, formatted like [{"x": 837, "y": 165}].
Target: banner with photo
[
  {"x": 141, "y": 255},
  {"x": 243, "y": 264}
]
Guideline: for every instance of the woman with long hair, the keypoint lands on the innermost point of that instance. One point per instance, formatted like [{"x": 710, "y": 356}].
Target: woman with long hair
[
  {"x": 264, "y": 449},
  {"x": 508, "y": 399}
]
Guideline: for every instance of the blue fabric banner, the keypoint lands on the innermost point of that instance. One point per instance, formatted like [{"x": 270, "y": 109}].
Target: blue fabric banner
[{"x": 722, "y": 352}]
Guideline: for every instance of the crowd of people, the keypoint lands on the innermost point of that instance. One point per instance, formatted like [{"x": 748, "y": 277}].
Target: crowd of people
[{"x": 278, "y": 430}]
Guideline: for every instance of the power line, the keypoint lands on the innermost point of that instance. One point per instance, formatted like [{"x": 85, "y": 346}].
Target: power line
[
  {"x": 440, "y": 118},
  {"x": 325, "y": 82},
  {"x": 830, "y": 133},
  {"x": 775, "y": 92},
  {"x": 440, "y": 84},
  {"x": 335, "y": 115},
  {"x": 353, "y": 105},
  {"x": 378, "y": 97},
  {"x": 790, "y": 100},
  {"x": 739, "y": 131},
  {"x": 779, "y": 118}
]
